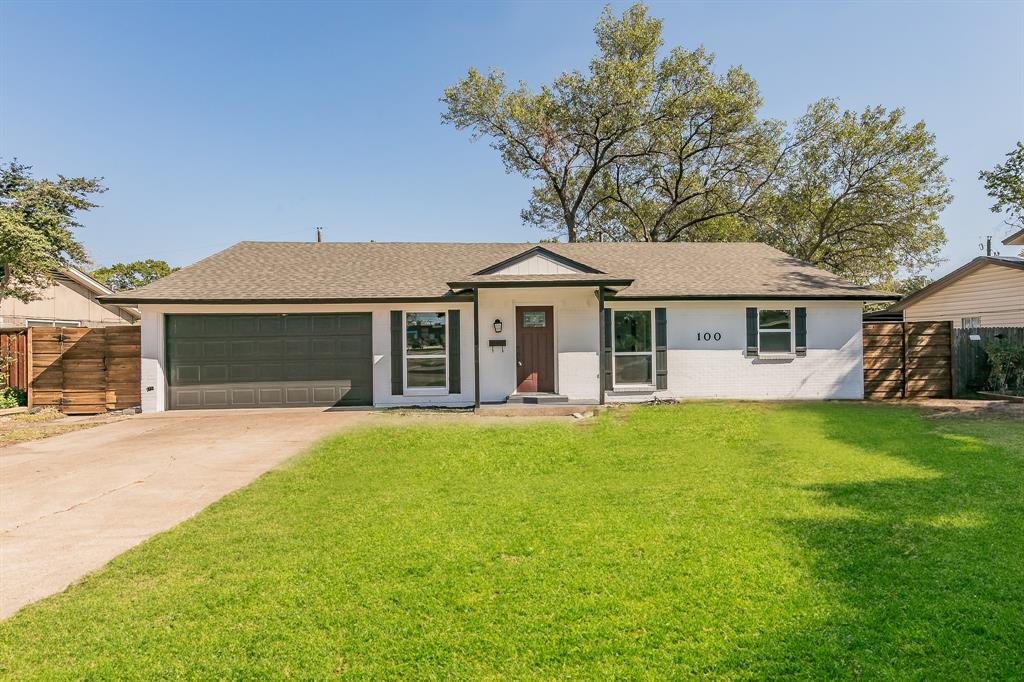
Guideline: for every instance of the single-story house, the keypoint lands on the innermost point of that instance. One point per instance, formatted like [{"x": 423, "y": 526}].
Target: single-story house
[
  {"x": 386, "y": 324},
  {"x": 71, "y": 299},
  {"x": 986, "y": 292}
]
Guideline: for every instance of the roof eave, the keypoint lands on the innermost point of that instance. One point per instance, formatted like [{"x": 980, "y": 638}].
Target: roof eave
[
  {"x": 521, "y": 284},
  {"x": 873, "y": 296},
  {"x": 1015, "y": 239},
  {"x": 283, "y": 301}
]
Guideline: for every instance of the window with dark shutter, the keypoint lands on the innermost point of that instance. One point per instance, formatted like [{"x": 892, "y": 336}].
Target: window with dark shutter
[
  {"x": 397, "y": 346},
  {"x": 801, "y": 331},
  {"x": 751, "y": 331},
  {"x": 454, "y": 343},
  {"x": 660, "y": 349}
]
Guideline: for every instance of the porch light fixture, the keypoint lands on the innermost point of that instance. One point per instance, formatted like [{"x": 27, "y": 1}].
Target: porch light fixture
[{"x": 497, "y": 326}]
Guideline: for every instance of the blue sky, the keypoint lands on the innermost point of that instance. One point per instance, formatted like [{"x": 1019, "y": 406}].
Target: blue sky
[{"x": 214, "y": 123}]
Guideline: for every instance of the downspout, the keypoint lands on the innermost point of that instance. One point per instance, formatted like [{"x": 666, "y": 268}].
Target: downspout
[
  {"x": 600, "y": 345},
  {"x": 476, "y": 348}
]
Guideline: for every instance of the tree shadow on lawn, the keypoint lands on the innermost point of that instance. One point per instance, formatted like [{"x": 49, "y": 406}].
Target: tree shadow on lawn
[{"x": 924, "y": 573}]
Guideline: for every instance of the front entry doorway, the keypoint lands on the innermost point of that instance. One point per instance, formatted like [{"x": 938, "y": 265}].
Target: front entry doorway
[{"x": 535, "y": 349}]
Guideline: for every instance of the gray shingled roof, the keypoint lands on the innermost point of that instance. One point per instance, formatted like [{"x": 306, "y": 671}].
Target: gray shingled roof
[{"x": 337, "y": 271}]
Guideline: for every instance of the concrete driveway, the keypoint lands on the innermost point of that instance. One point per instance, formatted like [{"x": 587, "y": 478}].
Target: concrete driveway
[{"x": 71, "y": 503}]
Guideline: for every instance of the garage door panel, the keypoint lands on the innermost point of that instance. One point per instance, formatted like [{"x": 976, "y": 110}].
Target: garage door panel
[
  {"x": 298, "y": 325},
  {"x": 244, "y": 325},
  {"x": 271, "y": 326},
  {"x": 214, "y": 374},
  {"x": 215, "y": 349},
  {"x": 323, "y": 346},
  {"x": 269, "y": 360},
  {"x": 325, "y": 324},
  {"x": 296, "y": 347},
  {"x": 271, "y": 371}
]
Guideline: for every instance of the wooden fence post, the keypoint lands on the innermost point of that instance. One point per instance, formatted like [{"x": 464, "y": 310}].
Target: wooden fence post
[{"x": 903, "y": 364}]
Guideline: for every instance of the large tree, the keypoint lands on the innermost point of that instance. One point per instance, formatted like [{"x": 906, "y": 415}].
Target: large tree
[
  {"x": 1005, "y": 184},
  {"x": 636, "y": 148},
  {"x": 861, "y": 195},
  {"x": 37, "y": 223},
  {"x": 125, "y": 276}
]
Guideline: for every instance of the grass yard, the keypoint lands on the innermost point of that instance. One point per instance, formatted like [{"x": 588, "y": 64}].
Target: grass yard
[{"x": 723, "y": 540}]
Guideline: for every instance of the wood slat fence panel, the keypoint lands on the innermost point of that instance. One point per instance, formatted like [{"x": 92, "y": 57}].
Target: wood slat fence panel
[
  {"x": 969, "y": 357},
  {"x": 14, "y": 345},
  {"x": 85, "y": 370},
  {"x": 907, "y": 360}
]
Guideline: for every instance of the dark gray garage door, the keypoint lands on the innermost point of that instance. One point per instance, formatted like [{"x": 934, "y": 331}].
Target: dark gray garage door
[{"x": 269, "y": 360}]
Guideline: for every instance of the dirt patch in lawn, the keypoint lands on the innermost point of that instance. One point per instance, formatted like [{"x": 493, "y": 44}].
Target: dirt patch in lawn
[
  {"x": 981, "y": 409},
  {"x": 20, "y": 428}
]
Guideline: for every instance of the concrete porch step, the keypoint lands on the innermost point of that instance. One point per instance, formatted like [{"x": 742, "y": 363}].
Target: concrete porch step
[
  {"x": 536, "y": 399},
  {"x": 534, "y": 410}
]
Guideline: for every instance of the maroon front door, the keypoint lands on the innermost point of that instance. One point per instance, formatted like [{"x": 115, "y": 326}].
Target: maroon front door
[{"x": 535, "y": 349}]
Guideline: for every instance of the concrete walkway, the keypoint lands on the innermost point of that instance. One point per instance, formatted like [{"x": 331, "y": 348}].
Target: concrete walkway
[{"x": 71, "y": 503}]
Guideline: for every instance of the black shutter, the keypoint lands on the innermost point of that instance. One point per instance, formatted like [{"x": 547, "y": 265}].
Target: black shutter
[
  {"x": 660, "y": 349},
  {"x": 454, "y": 362},
  {"x": 396, "y": 352},
  {"x": 751, "y": 331},
  {"x": 609, "y": 383},
  {"x": 801, "y": 331}
]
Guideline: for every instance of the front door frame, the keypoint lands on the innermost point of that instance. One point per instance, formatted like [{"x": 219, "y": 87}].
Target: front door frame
[{"x": 550, "y": 309}]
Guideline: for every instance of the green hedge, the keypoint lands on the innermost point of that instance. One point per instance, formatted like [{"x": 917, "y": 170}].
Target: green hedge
[
  {"x": 1006, "y": 363},
  {"x": 12, "y": 397}
]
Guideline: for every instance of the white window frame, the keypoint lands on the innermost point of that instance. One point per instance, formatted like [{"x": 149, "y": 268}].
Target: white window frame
[
  {"x": 423, "y": 390},
  {"x": 970, "y": 318},
  {"x": 52, "y": 323},
  {"x": 791, "y": 330},
  {"x": 616, "y": 354}
]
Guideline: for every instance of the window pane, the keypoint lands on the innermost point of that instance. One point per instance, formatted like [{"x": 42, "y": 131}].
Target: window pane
[
  {"x": 425, "y": 372},
  {"x": 775, "y": 342},
  {"x": 632, "y": 331},
  {"x": 534, "y": 318},
  {"x": 633, "y": 369},
  {"x": 773, "y": 319},
  {"x": 424, "y": 333}
]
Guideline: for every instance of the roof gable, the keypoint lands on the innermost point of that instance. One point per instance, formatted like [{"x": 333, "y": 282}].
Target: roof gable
[
  {"x": 538, "y": 261},
  {"x": 958, "y": 274},
  {"x": 1015, "y": 239}
]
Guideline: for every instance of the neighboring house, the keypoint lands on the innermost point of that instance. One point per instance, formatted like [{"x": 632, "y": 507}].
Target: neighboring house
[
  {"x": 70, "y": 300},
  {"x": 1015, "y": 239},
  {"x": 275, "y": 324},
  {"x": 986, "y": 292}
]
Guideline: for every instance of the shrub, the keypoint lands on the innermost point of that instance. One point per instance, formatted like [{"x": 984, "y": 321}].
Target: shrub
[
  {"x": 12, "y": 397},
  {"x": 1006, "y": 365}
]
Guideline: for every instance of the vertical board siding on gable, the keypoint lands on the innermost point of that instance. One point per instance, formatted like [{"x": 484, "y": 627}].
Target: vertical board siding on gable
[{"x": 536, "y": 265}]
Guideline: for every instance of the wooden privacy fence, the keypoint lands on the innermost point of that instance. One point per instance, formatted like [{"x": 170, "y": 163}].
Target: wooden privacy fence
[
  {"x": 970, "y": 362},
  {"x": 908, "y": 360},
  {"x": 84, "y": 370},
  {"x": 14, "y": 350}
]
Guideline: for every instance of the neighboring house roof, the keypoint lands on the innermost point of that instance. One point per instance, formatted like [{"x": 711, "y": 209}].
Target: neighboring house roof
[
  {"x": 375, "y": 271},
  {"x": 1015, "y": 239},
  {"x": 959, "y": 273},
  {"x": 101, "y": 290}
]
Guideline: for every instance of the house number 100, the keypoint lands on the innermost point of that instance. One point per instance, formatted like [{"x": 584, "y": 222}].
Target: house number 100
[{"x": 708, "y": 336}]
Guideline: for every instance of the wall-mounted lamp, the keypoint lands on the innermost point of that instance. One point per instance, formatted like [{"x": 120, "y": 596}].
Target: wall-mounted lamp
[{"x": 497, "y": 326}]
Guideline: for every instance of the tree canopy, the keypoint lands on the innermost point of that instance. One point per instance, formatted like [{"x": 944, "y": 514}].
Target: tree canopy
[
  {"x": 861, "y": 194},
  {"x": 37, "y": 223},
  {"x": 1005, "y": 184},
  {"x": 642, "y": 148},
  {"x": 125, "y": 276}
]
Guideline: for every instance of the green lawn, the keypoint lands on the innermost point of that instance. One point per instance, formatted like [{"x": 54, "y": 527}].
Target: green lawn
[{"x": 722, "y": 540}]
